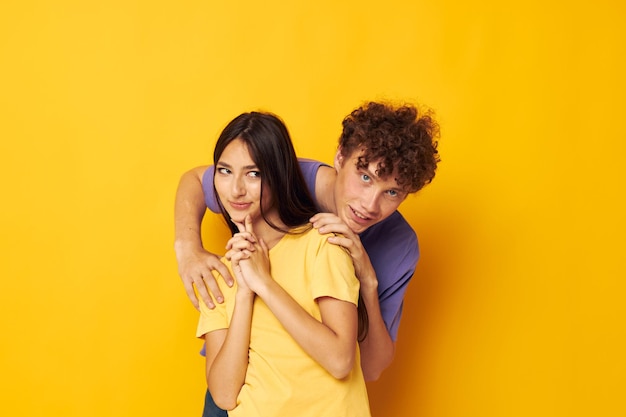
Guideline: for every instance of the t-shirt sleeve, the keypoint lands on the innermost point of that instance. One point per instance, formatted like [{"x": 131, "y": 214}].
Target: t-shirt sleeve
[
  {"x": 212, "y": 319},
  {"x": 393, "y": 249},
  {"x": 309, "y": 168},
  {"x": 391, "y": 298},
  {"x": 210, "y": 198},
  {"x": 333, "y": 274}
]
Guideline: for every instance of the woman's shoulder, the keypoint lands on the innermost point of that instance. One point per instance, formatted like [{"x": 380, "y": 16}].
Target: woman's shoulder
[{"x": 308, "y": 234}]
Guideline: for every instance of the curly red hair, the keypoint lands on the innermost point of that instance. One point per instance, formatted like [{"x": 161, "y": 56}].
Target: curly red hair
[{"x": 400, "y": 138}]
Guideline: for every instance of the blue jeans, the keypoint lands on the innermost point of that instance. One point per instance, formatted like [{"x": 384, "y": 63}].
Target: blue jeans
[{"x": 210, "y": 409}]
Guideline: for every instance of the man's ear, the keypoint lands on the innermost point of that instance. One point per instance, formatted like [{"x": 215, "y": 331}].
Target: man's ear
[{"x": 338, "y": 159}]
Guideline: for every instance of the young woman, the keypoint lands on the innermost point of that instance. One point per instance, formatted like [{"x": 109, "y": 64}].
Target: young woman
[{"x": 284, "y": 341}]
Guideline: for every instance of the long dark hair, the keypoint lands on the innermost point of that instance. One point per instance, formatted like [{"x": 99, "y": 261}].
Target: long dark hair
[{"x": 271, "y": 149}]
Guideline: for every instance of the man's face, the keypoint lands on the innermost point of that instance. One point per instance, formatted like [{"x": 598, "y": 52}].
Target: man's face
[{"x": 362, "y": 198}]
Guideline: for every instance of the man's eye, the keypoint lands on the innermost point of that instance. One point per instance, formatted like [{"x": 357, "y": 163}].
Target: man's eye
[
  {"x": 393, "y": 193},
  {"x": 365, "y": 177}
]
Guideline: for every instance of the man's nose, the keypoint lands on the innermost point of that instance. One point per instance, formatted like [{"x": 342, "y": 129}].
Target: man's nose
[{"x": 370, "y": 201}]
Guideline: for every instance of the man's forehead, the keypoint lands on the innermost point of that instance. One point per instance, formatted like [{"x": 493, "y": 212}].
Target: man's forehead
[{"x": 372, "y": 168}]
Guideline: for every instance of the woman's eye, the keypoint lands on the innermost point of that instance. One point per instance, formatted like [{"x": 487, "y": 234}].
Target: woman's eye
[
  {"x": 255, "y": 174},
  {"x": 224, "y": 171}
]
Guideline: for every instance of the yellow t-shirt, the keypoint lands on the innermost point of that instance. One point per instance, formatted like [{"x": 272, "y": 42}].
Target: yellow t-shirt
[{"x": 282, "y": 379}]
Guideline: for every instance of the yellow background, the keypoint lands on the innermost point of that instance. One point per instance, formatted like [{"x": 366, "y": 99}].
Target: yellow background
[{"x": 517, "y": 306}]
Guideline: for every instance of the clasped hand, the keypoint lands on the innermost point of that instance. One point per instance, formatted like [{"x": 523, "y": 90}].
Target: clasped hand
[{"x": 249, "y": 257}]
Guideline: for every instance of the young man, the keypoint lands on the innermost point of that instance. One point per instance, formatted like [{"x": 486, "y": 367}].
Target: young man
[{"x": 385, "y": 152}]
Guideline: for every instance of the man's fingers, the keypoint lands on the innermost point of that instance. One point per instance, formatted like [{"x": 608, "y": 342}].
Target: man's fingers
[
  {"x": 195, "y": 270},
  {"x": 225, "y": 273},
  {"x": 341, "y": 241},
  {"x": 325, "y": 219},
  {"x": 191, "y": 294},
  {"x": 215, "y": 264},
  {"x": 330, "y": 223},
  {"x": 202, "y": 291},
  {"x": 321, "y": 216},
  {"x": 211, "y": 284},
  {"x": 339, "y": 228}
]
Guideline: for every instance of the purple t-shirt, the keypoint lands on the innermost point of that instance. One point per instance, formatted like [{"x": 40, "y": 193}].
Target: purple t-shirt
[{"x": 391, "y": 245}]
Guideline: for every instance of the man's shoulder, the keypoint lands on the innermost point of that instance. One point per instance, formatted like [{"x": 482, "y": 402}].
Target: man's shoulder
[
  {"x": 394, "y": 224},
  {"x": 389, "y": 234},
  {"x": 319, "y": 178},
  {"x": 308, "y": 165}
]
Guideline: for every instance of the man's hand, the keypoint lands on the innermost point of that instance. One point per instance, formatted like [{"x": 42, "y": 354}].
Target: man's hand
[
  {"x": 195, "y": 269},
  {"x": 346, "y": 238}
]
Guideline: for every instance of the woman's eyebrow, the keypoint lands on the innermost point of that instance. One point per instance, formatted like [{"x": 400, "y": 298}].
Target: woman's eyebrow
[{"x": 227, "y": 165}]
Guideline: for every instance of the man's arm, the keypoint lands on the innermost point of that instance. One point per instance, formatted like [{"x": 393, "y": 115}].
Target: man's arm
[
  {"x": 378, "y": 349},
  {"x": 194, "y": 262}
]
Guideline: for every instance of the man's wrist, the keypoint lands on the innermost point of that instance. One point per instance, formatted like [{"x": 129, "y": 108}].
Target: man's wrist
[
  {"x": 369, "y": 286},
  {"x": 186, "y": 244},
  {"x": 183, "y": 248}
]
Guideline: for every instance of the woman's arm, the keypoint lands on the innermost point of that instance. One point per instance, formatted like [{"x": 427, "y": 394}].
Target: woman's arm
[
  {"x": 378, "y": 349},
  {"x": 227, "y": 354},
  {"x": 331, "y": 342},
  {"x": 194, "y": 262}
]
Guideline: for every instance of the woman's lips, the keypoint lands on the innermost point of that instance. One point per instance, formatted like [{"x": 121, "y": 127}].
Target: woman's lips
[{"x": 239, "y": 206}]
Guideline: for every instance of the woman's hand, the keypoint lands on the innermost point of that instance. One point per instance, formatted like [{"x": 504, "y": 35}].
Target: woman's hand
[{"x": 249, "y": 257}]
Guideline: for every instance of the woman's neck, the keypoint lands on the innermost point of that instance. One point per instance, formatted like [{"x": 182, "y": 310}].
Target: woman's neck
[{"x": 270, "y": 236}]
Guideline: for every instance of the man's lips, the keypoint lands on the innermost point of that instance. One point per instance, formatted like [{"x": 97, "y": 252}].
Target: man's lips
[{"x": 358, "y": 217}]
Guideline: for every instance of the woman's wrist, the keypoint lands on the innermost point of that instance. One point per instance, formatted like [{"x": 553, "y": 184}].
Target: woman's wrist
[{"x": 244, "y": 294}]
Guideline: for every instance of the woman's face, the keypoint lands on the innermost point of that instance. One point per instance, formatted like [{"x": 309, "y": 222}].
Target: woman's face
[{"x": 238, "y": 183}]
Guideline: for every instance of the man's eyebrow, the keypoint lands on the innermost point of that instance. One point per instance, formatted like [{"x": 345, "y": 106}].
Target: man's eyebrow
[
  {"x": 370, "y": 173},
  {"x": 377, "y": 177}
]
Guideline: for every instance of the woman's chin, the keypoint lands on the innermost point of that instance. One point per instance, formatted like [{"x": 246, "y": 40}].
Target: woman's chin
[{"x": 237, "y": 219}]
